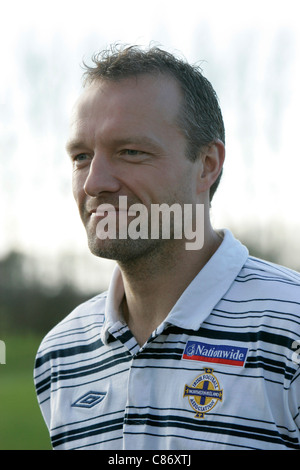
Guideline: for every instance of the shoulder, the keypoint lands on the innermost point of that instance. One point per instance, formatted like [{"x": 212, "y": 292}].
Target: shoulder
[
  {"x": 272, "y": 271},
  {"x": 76, "y": 327},
  {"x": 270, "y": 277},
  {"x": 261, "y": 280},
  {"x": 70, "y": 345}
]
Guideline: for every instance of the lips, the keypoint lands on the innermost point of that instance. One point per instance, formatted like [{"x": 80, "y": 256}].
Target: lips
[
  {"x": 104, "y": 209},
  {"x": 101, "y": 209}
]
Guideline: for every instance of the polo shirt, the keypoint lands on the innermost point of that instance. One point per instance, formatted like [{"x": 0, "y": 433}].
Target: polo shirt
[{"x": 220, "y": 372}]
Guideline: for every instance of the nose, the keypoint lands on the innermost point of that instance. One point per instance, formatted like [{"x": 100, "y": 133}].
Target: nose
[{"x": 101, "y": 177}]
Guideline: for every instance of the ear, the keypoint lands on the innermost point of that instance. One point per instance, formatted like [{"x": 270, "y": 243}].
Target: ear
[{"x": 211, "y": 162}]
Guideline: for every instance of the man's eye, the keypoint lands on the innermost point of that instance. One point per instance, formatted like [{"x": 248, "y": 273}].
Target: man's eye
[
  {"x": 80, "y": 157},
  {"x": 81, "y": 160},
  {"x": 131, "y": 152}
]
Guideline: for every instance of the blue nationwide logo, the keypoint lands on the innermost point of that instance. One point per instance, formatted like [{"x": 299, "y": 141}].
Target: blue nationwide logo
[{"x": 89, "y": 400}]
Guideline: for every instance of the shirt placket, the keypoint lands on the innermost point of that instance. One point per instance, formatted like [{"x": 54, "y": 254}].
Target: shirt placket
[{"x": 138, "y": 392}]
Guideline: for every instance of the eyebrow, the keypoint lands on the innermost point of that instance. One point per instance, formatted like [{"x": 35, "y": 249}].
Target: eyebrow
[
  {"x": 139, "y": 140},
  {"x": 76, "y": 145},
  {"x": 73, "y": 145}
]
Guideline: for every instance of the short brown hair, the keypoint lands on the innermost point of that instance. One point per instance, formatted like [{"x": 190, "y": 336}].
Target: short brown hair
[{"x": 200, "y": 117}]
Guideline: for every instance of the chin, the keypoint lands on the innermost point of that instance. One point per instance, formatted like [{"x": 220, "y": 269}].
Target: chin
[{"x": 122, "y": 250}]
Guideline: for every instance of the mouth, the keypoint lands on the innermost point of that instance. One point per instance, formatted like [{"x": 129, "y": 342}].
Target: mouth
[
  {"x": 118, "y": 208},
  {"x": 103, "y": 211}
]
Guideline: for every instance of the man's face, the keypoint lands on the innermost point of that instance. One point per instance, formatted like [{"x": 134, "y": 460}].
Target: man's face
[{"x": 124, "y": 141}]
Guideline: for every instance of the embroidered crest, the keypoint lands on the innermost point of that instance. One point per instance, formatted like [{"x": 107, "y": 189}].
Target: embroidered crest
[
  {"x": 89, "y": 399},
  {"x": 219, "y": 354},
  {"x": 204, "y": 393}
]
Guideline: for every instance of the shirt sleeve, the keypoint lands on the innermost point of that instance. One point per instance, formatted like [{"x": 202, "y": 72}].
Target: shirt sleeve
[
  {"x": 42, "y": 382},
  {"x": 294, "y": 400}
]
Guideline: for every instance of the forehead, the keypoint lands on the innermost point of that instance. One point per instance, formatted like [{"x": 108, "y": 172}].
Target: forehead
[{"x": 138, "y": 101}]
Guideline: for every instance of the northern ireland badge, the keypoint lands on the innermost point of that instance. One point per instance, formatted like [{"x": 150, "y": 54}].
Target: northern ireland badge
[{"x": 203, "y": 393}]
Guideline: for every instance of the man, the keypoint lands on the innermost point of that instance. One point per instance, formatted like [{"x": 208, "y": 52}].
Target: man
[{"x": 189, "y": 348}]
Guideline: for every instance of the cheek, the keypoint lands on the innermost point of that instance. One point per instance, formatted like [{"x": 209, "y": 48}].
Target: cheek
[{"x": 78, "y": 181}]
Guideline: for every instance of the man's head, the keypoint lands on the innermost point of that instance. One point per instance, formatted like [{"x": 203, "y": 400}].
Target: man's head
[
  {"x": 200, "y": 116},
  {"x": 129, "y": 137}
]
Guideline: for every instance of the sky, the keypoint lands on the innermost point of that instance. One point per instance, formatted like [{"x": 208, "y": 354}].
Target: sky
[{"x": 248, "y": 50}]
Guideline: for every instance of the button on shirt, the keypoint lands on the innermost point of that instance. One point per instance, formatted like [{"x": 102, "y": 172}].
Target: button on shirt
[{"x": 220, "y": 372}]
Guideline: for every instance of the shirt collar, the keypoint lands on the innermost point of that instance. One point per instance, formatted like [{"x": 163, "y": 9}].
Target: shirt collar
[
  {"x": 199, "y": 298},
  {"x": 115, "y": 295}
]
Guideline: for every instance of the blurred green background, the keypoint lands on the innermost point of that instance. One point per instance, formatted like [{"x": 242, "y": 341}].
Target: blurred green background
[
  {"x": 29, "y": 308},
  {"x": 21, "y": 424}
]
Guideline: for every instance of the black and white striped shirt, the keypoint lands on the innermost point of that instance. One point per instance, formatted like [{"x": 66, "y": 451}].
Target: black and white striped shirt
[{"x": 221, "y": 372}]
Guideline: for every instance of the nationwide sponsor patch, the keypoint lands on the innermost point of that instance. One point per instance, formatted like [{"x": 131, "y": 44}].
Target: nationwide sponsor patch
[
  {"x": 203, "y": 393},
  {"x": 215, "y": 353}
]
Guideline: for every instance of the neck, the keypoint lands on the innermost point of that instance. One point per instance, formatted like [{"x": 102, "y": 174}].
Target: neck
[{"x": 154, "y": 283}]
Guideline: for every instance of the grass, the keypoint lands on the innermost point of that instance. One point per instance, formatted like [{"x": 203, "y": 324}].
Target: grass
[{"x": 21, "y": 424}]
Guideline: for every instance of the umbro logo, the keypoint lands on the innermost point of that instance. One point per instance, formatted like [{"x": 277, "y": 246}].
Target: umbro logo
[{"x": 89, "y": 399}]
